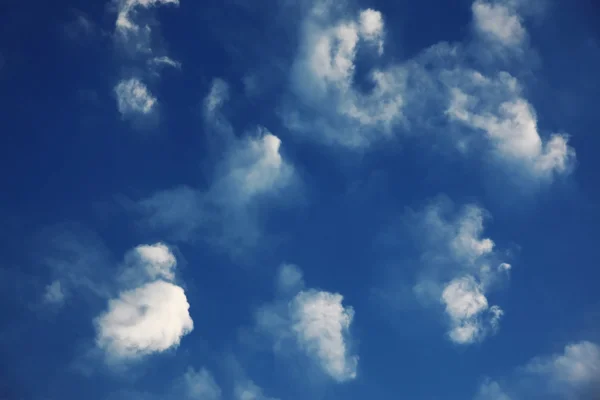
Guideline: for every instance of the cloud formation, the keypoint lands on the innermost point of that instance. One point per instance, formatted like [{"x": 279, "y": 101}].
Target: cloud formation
[
  {"x": 331, "y": 108},
  {"x": 151, "y": 317},
  {"x": 572, "y": 374},
  {"x": 251, "y": 171},
  {"x": 330, "y": 105},
  {"x": 315, "y": 321},
  {"x": 134, "y": 98},
  {"x": 459, "y": 267}
]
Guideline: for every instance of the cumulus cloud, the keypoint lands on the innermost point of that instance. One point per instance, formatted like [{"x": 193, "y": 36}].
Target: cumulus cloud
[
  {"x": 329, "y": 102},
  {"x": 495, "y": 106},
  {"x": 572, "y": 374},
  {"x": 251, "y": 171},
  {"x": 152, "y": 316},
  {"x": 316, "y": 321},
  {"x": 499, "y": 22},
  {"x": 134, "y": 98},
  {"x": 459, "y": 267},
  {"x": 321, "y": 324},
  {"x": 333, "y": 109},
  {"x": 578, "y": 365}
]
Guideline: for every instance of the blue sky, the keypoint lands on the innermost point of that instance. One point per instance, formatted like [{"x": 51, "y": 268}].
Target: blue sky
[{"x": 316, "y": 199}]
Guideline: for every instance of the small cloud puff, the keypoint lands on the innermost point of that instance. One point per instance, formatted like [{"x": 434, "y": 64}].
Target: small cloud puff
[
  {"x": 54, "y": 294},
  {"x": 149, "y": 318},
  {"x": 134, "y": 98},
  {"x": 316, "y": 321},
  {"x": 499, "y": 22}
]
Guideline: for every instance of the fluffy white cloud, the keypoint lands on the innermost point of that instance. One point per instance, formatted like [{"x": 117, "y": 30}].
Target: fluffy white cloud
[
  {"x": 467, "y": 307},
  {"x": 54, "y": 293},
  {"x": 151, "y": 317},
  {"x": 316, "y": 321},
  {"x": 201, "y": 385},
  {"x": 134, "y": 98},
  {"x": 498, "y": 21},
  {"x": 323, "y": 77},
  {"x": 321, "y": 324},
  {"x": 572, "y": 374},
  {"x": 579, "y": 365},
  {"x": 457, "y": 269},
  {"x": 496, "y": 107}
]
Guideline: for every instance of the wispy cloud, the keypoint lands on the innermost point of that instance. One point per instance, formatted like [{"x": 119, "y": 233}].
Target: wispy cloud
[
  {"x": 252, "y": 171},
  {"x": 316, "y": 321}
]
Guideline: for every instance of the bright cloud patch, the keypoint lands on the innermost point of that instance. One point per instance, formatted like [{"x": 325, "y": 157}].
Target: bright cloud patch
[
  {"x": 148, "y": 319},
  {"x": 495, "y": 107},
  {"x": 466, "y": 305},
  {"x": 321, "y": 324},
  {"x": 128, "y": 27},
  {"x": 316, "y": 321},
  {"x": 153, "y": 316},
  {"x": 499, "y": 22},
  {"x": 248, "y": 390},
  {"x": 323, "y": 75},
  {"x": 572, "y": 374},
  {"x": 133, "y": 97},
  {"x": 458, "y": 269}
]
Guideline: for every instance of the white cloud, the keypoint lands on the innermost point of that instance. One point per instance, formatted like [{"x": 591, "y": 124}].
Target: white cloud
[
  {"x": 164, "y": 61},
  {"x": 129, "y": 29},
  {"x": 499, "y": 21},
  {"x": 201, "y": 385},
  {"x": 323, "y": 77},
  {"x": 315, "y": 321},
  {"x": 149, "y": 262},
  {"x": 579, "y": 365},
  {"x": 289, "y": 279},
  {"x": 134, "y": 98},
  {"x": 321, "y": 324},
  {"x": 496, "y": 107},
  {"x": 248, "y": 390},
  {"x": 251, "y": 171},
  {"x": 467, "y": 307},
  {"x": 491, "y": 390},
  {"x": 572, "y": 374},
  {"x": 216, "y": 97},
  {"x": 54, "y": 293},
  {"x": 456, "y": 269},
  {"x": 149, "y": 319},
  {"x": 153, "y": 316}
]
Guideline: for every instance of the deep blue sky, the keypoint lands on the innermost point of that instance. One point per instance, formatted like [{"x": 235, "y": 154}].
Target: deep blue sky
[{"x": 342, "y": 192}]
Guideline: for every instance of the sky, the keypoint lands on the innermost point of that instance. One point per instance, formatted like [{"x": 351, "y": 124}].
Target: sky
[{"x": 312, "y": 199}]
